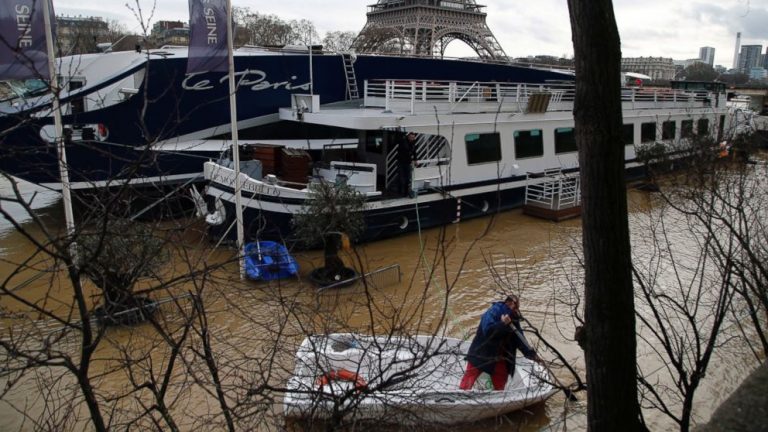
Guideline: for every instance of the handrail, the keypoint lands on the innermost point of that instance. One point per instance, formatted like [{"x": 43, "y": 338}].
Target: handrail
[
  {"x": 553, "y": 189},
  {"x": 476, "y": 83},
  {"x": 422, "y": 94}
]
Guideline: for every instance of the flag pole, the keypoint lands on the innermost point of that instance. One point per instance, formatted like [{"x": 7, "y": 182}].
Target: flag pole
[
  {"x": 311, "y": 73},
  {"x": 235, "y": 148},
  {"x": 58, "y": 129}
]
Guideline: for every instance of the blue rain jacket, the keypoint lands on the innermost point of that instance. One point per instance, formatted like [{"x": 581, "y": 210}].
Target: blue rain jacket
[{"x": 496, "y": 341}]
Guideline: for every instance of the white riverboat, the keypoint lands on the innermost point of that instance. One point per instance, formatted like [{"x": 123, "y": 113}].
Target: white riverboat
[
  {"x": 477, "y": 144},
  {"x": 407, "y": 380}
]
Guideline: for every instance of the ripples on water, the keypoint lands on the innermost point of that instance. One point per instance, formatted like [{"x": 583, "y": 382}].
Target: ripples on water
[{"x": 537, "y": 259}]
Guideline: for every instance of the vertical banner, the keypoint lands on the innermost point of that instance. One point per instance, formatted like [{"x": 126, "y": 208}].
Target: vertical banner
[
  {"x": 207, "y": 36},
  {"x": 23, "y": 54}
]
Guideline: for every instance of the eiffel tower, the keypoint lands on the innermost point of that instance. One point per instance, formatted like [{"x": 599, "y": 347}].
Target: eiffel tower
[{"x": 426, "y": 27}]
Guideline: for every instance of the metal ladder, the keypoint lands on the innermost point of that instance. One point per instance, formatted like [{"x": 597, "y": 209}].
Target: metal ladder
[{"x": 349, "y": 73}]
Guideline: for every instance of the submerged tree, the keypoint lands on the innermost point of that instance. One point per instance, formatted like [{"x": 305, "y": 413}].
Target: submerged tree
[
  {"x": 115, "y": 256},
  {"x": 335, "y": 211}
]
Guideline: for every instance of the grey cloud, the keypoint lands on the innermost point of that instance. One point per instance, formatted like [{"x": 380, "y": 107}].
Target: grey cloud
[{"x": 751, "y": 19}]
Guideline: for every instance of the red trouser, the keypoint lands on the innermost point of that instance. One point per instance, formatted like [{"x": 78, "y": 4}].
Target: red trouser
[{"x": 499, "y": 377}]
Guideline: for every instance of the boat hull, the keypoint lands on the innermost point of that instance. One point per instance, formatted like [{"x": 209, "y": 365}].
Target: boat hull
[
  {"x": 160, "y": 132},
  {"x": 408, "y": 380},
  {"x": 272, "y": 217}
]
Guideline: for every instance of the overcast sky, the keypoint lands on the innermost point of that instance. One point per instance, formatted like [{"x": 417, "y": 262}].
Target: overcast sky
[{"x": 667, "y": 28}]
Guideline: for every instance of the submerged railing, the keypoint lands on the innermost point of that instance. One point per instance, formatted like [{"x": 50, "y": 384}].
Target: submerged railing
[{"x": 553, "y": 190}]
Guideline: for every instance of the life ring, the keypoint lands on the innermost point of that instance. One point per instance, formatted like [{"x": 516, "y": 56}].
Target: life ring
[{"x": 342, "y": 375}]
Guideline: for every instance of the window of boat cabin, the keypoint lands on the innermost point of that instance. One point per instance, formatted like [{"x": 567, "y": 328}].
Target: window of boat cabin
[
  {"x": 374, "y": 142},
  {"x": 529, "y": 144},
  {"x": 565, "y": 140},
  {"x": 702, "y": 128},
  {"x": 483, "y": 147},
  {"x": 686, "y": 129},
  {"x": 668, "y": 130},
  {"x": 647, "y": 132},
  {"x": 628, "y": 134},
  {"x": 77, "y": 105}
]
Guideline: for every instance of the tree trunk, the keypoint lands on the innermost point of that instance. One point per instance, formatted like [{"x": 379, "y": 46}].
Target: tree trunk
[
  {"x": 333, "y": 263},
  {"x": 609, "y": 303}
]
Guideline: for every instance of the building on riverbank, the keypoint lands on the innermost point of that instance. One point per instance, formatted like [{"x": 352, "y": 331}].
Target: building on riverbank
[{"x": 658, "y": 68}]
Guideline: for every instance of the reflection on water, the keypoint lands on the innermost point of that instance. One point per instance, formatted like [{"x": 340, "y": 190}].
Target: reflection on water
[{"x": 455, "y": 272}]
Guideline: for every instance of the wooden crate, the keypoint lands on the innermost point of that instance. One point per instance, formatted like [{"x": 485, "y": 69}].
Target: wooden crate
[
  {"x": 295, "y": 165},
  {"x": 269, "y": 155}
]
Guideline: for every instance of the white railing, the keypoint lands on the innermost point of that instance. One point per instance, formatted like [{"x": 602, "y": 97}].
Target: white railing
[
  {"x": 553, "y": 190},
  {"x": 420, "y": 96}
]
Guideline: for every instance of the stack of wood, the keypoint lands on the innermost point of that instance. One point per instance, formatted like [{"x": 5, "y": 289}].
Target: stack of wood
[{"x": 295, "y": 165}]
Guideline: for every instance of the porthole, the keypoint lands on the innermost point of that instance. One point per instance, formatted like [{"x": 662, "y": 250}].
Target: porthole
[
  {"x": 404, "y": 223},
  {"x": 485, "y": 206}
]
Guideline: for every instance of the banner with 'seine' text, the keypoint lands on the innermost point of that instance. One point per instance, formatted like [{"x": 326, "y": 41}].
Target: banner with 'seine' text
[
  {"x": 23, "y": 53},
  {"x": 207, "y": 36}
]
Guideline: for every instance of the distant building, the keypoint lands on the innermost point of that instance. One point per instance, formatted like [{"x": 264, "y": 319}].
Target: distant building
[
  {"x": 736, "y": 51},
  {"x": 758, "y": 73},
  {"x": 721, "y": 69},
  {"x": 170, "y": 33},
  {"x": 80, "y": 35},
  {"x": 682, "y": 64},
  {"x": 749, "y": 57},
  {"x": 658, "y": 68},
  {"x": 707, "y": 55},
  {"x": 765, "y": 58}
]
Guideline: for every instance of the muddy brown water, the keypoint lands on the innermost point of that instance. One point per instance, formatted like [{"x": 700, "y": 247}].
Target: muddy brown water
[{"x": 449, "y": 277}]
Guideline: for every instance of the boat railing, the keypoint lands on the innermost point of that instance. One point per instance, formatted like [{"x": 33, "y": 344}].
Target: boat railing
[
  {"x": 462, "y": 96},
  {"x": 553, "y": 189}
]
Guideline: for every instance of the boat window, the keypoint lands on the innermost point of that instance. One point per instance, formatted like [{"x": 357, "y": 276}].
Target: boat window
[
  {"x": 628, "y": 134},
  {"x": 686, "y": 129},
  {"x": 6, "y": 92},
  {"x": 374, "y": 142},
  {"x": 702, "y": 128},
  {"x": 529, "y": 144},
  {"x": 483, "y": 147},
  {"x": 565, "y": 140},
  {"x": 12, "y": 89},
  {"x": 77, "y": 104},
  {"x": 647, "y": 132},
  {"x": 668, "y": 130}
]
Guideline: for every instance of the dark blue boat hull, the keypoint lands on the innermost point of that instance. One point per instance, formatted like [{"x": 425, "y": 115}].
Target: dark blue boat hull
[{"x": 178, "y": 105}]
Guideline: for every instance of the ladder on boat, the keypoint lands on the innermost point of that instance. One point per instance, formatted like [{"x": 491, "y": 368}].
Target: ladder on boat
[
  {"x": 553, "y": 195},
  {"x": 349, "y": 73}
]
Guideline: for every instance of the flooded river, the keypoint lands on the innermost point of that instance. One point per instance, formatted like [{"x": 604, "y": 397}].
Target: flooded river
[{"x": 449, "y": 276}]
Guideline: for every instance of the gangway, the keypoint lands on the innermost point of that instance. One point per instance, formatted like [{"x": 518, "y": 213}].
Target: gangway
[{"x": 553, "y": 195}]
